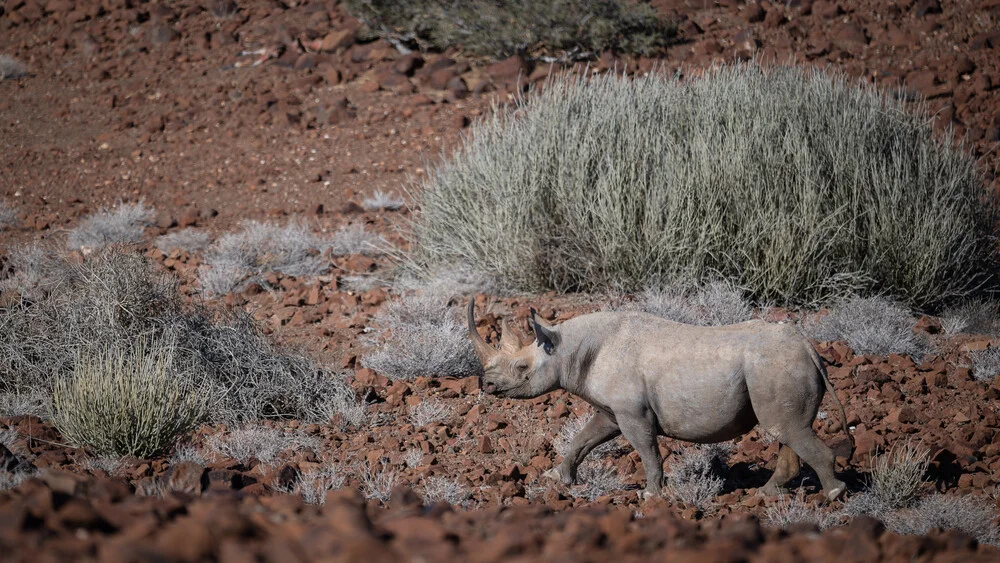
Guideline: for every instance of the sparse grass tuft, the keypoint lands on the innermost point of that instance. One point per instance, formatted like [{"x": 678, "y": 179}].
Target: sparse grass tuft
[
  {"x": 973, "y": 515},
  {"x": 571, "y": 28},
  {"x": 597, "y": 478},
  {"x": 123, "y": 224},
  {"x": 896, "y": 477},
  {"x": 437, "y": 488},
  {"x": 695, "y": 476},
  {"x": 421, "y": 336},
  {"x": 355, "y": 239},
  {"x": 237, "y": 259},
  {"x": 8, "y": 215},
  {"x": 11, "y": 68},
  {"x": 985, "y": 363},
  {"x": 313, "y": 485},
  {"x": 129, "y": 401},
  {"x": 382, "y": 200},
  {"x": 262, "y": 443},
  {"x": 187, "y": 453},
  {"x": 611, "y": 184},
  {"x": 429, "y": 411},
  {"x": 796, "y": 510},
  {"x": 377, "y": 482},
  {"x": 976, "y": 317},
  {"x": 715, "y": 303},
  {"x": 871, "y": 325},
  {"x": 413, "y": 458},
  {"x": 111, "y": 465},
  {"x": 189, "y": 240},
  {"x": 113, "y": 298}
]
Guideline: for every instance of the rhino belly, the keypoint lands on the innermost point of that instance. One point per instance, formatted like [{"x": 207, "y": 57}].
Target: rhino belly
[{"x": 708, "y": 410}]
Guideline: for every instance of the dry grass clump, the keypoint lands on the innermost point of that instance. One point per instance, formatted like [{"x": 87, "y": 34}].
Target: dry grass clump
[
  {"x": 421, "y": 336},
  {"x": 11, "y": 68},
  {"x": 377, "y": 482},
  {"x": 122, "y": 224},
  {"x": 570, "y": 28},
  {"x": 985, "y": 363},
  {"x": 871, "y": 325},
  {"x": 429, "y": 411},
  {"x": 188, "y": 240},
  {"x": 976, "y": 317},
  {"x": 597, "y": 478},
  {"x": 112, "y": 299},
  {"x": 695, "y": 476},
  {"x": 8, "y": 215},
  {"x": 126, "y": 401},
  {"x": 437, "y": 488},
  {"x": 795, "y": 510},
  {"x": 382, "y": 200},
  {"x": 894, "y": 496},
  {"x": 612, "y": 184},
  {"x": 254, "y": 441},
  {"x": 314, "y": 484},
  {"x": 715, "y": 303},
  {"x": 355, "y": 239}
]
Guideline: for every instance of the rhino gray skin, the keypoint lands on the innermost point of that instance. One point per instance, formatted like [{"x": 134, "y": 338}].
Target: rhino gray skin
[{"x": 646, "y": 377}]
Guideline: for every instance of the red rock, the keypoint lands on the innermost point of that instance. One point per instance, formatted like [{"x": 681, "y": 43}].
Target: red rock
[
  {"x": 338, "y": 39},
  {"x": 161, "y": 34},
  {"x": 926, "y": 7},
  {"x": 508, "y": 70},
  {"x": 754, "y": 13}
]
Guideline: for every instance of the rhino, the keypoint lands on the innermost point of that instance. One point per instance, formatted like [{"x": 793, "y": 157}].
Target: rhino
[{"x": 646, "y": 376}]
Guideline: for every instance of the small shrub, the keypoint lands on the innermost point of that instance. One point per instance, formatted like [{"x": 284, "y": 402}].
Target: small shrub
[
  {"x": 576, "y": 28},
  {"x": 187, "y": 453},
  {"x": 223, "y": 9},
  {"x": 262, "y": 443},
  {"x": 113, "y": 298},
  {"x": 110, "y": 465},
  {"x": 972, "y": 515},
  {"x": 421, "y": 336},
  {"x": 33, "y": 402},
  {"x": 11, "y": 480},
  {"x": 377, "y": 482},
  {"x": 597, "y": 478},
  {"x": 429, "y": 411},
  {"x": 973, "y": 317},
  {"x": 896, "y": 477},
  {"x": 237, "y": 259},
  {"x": 436, "y": 489},
  {"x": 124, "y": 224},
  {"x": 795, "y": 510},
  {"x": 871, "y": 325},
  {"x": 985, "y": 363},
  {"x": 612, "y": 184},
  {"x": 715, "y": 303},
  {"x": 121, "y": 402},
  {"x": 695, "y": 476},
  {"x": 355, "y": 239},
  {"x": 382, "y": 200},
  {"x": 8, "y": 215},
  {"x": 313, "y": 485},
  {"x": 11, "y": 68},
  {"x": 413, "y": 458},
  {"x": 188, "y": 240}
]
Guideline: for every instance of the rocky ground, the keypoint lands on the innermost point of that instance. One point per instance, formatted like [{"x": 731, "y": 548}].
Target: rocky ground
[{"x": 272, "y": 110}]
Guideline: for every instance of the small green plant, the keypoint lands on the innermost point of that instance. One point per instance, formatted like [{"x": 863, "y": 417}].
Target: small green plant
[
  {"x": 499, "y": 28},
  {"x": 126, "y": 402}
]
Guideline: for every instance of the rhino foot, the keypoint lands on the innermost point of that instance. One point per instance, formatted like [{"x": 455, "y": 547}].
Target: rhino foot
[
  {"x": 647, "y": 494},
  {"x": 836, "y": 491},
  {"x": 552, "y": 474}
]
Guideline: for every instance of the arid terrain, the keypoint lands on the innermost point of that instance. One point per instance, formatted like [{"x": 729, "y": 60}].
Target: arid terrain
[{"x": 214, "y": 113}]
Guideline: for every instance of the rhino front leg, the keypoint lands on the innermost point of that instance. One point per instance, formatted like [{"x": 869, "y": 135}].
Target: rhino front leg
[
  {"x": 600, "y": 429},
  {"x": 641, "y": 432}
]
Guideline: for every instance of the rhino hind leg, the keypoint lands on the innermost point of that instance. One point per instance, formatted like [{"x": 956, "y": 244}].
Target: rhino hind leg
[
  {"x": 641, "y": 433},
  {"x": 599, "y": 430},
  {"x": 787, "y": 468},
  {"x": 814, "y": 452}
]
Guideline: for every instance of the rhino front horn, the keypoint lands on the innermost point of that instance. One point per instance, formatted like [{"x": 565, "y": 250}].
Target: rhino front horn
[{"x": 483, "y": 350}]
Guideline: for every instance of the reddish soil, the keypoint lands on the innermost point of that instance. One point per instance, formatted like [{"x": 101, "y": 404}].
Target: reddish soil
[{"x": 132, "y": 100}]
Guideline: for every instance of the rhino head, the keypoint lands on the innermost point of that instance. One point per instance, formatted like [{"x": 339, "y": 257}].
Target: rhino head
[{"x": 515, "y": 370}]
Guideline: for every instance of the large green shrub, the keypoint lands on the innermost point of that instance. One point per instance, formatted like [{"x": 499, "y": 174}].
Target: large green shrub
[
  {"x": 794, "y": 184},
  {"x": 500, "y": 28}
]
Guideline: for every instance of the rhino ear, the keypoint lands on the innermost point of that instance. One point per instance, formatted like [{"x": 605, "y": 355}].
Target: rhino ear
[{"x": 545, "y": 336}]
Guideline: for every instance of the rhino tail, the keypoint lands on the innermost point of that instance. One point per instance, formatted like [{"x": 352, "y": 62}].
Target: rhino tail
[{"x": 821, "y": 366}]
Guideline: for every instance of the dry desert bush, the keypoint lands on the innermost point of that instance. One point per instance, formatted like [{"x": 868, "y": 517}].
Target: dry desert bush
[
  {"x": 871, "y": 325},
  {"x": 559, "y": 28},
  {"x": 122, "y": 224},
  {"x": 11, "y": 68},
  {"x": 797, "y": 185}
]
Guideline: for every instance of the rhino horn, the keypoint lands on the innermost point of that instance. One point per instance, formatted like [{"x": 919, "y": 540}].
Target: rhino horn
[{"x": 483, "y": 350}]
